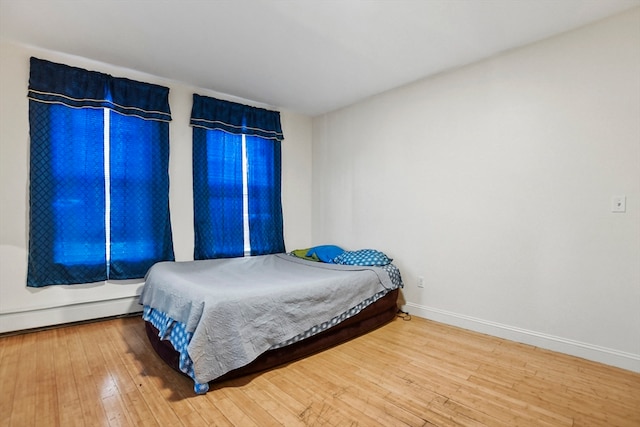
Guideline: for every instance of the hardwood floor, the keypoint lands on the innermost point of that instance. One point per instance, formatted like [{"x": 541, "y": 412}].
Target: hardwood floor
[{"x": 415, "y": 373}]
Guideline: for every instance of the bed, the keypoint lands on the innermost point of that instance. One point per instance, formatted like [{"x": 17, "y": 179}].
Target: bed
[{"x": 214, "y": 320}]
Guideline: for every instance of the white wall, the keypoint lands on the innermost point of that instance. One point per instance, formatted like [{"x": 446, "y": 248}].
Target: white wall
[
  {"x": 22, "y": 307},
  {"x": 494, "y": 182}
]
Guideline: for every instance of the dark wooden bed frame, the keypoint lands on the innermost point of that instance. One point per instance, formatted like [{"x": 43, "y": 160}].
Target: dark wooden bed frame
[{"x": 372, "y": 317}]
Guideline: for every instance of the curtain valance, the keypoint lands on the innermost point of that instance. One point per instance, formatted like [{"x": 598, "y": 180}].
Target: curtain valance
[
  {"x": 216, "y": 114},
  {"x": 54, "y": 83}
]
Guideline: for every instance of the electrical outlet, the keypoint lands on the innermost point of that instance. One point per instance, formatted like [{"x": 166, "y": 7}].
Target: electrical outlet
[{"x": 420, "y": 281}]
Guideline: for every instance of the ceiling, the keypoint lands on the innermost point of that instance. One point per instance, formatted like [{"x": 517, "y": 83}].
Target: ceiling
[{"x": 310, "y": 56}]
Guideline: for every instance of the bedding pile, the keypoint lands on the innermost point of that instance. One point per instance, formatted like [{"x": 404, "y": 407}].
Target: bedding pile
[{"x": 222, "y": 314}]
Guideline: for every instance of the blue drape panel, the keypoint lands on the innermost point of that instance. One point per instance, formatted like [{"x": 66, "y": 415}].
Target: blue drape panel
[
  {"x": 265, "y": 207},
  {"x": 67, "y": 229},
  {"x": 218, "y": 127},
  {"x": 139, "y": 182},
  {"x": 217, "y": 194},
  {"x": 68, "y": 203}
]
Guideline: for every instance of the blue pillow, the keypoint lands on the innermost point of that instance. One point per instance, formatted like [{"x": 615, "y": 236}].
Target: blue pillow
[
  {"x": 370, "y": 257},
  {"x": 325, "y": 253}
]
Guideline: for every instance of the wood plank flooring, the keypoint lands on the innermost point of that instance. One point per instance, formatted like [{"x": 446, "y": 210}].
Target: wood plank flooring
[{"x": 407, "y": 373}]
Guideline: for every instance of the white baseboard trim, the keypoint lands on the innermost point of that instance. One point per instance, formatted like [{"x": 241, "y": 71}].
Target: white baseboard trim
[
  {"x": 17, "y": 321},
  {"x": 591, "y": 352}
]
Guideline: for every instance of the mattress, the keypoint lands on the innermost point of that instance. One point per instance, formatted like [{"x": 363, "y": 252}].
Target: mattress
[{"x": 221, "y": 315}]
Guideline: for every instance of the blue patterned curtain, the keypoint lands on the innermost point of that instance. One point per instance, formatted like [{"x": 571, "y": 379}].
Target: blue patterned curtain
[
  {"x": 67, "y": 198},
  {"x": 217, "y": 189},
  {"x": 265, "y": 208},
  {"x": 218, "y": 127},
  {"x": 139, "y": 182},
  {"x": 69, "y": 202}
]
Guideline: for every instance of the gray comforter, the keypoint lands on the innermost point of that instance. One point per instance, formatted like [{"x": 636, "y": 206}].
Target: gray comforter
[{"x": 238, "y": 308}]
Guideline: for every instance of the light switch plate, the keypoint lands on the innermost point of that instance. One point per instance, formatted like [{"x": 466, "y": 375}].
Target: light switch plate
[{"x": 619, "y": 204}]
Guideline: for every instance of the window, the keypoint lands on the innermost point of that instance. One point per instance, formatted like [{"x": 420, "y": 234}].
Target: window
[
  {"x": 236, "y": 179},
  {"x": 98, "y": 176}
]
